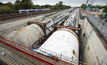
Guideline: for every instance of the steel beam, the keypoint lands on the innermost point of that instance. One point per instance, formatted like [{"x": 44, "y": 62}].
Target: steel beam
[{"x": 72, "y": 28}]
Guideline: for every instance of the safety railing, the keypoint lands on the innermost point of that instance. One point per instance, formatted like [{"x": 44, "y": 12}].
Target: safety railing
[{"x": 60, "y": 56}]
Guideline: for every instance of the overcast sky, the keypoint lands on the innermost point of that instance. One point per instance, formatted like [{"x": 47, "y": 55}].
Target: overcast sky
[{"x": 65, "y": 2}]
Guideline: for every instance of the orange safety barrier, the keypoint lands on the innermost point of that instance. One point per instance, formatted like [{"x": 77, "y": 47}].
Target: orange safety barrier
[
  {"x": 81, "y": 11},
  {"x": 84, "y": 11},
  {"x": 89, "y": 13},
  {"x": 98, "y": 14},
  {"x": 71, "y": 19}
]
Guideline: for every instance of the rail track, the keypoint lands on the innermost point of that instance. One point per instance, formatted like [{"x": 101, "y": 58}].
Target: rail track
[{"x": 17, "y": 16}]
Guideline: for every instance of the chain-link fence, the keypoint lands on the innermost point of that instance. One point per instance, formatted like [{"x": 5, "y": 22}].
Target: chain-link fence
[{"x": 99, "y": 24}]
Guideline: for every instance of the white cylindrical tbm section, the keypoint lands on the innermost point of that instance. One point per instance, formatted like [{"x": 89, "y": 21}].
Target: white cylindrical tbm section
[
  {"x": 63, "y": 43},
  {"x": 27, "y": 35}
]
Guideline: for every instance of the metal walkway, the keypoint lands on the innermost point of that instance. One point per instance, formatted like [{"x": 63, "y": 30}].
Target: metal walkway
[{"x": 10, "y": 60}]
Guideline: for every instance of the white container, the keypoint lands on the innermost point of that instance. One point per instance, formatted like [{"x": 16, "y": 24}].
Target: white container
[{"x": 64, "y": 42}]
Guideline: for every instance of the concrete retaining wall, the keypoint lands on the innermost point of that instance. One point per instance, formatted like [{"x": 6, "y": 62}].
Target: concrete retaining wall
[{"x": 93, "y": 50}]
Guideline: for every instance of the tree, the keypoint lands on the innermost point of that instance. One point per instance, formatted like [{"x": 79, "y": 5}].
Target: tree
[
  {"x": 36, "y": 7},
  {"x": 6, "y": 10},
  {"x": 27, "y": 4},
  {"x": 105, "y": 10},
  {"x": 47, "y": 6},
  {"x": 53, "y": 8},
  {"x": 89, "y": 5},
  {"x": 60, "y": 3},
  {"x": 9, "y": 4},
  {"x": 60, "y": 6},
  {"x": 42, "y": 7},
  {"x": 83, "y": 6},
  {"x": 1, "y": 3},
  {"x": 18, "y": 5}
]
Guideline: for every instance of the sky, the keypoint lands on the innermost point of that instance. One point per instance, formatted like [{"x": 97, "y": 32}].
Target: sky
[{"x": 71, "y": 3}]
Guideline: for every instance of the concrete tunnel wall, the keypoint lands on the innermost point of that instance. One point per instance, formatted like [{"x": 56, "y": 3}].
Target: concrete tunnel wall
[
  {"x": 93, "y": 49},
  {"x": 27, "y": 35}
]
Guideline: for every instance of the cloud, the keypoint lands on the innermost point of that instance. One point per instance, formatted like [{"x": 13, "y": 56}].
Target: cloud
[
  {"x": 65, "y": 2},
  {"x": 5, "y": 1}
]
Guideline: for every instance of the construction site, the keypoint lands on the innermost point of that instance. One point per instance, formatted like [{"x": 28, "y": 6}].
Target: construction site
[{"x": 58, "y": 37}]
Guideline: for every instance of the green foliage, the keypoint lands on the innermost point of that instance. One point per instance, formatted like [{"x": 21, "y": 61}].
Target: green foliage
[
  {"x": 6, "y": 10},
  {"x": 83, "y": 6},
  {"x": 1, "y": 3},
  {"x": 27, "y": 4},
  {"x": 18, "y": 5},
  {"x": 11, "y": 5},
  {"x": 36, "y": 7},
  {"x": 60, "y": 3},
  {"x": 47, "y": 6},
  {"x": 105, "y": 9},
  {"x": 89, "y": 5},
  {"x": 60, "y": 6},
  {"x": 24, "y": 4},
  {"x": 98, "y": 6},
  {"x": 54, "y": 7}
]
